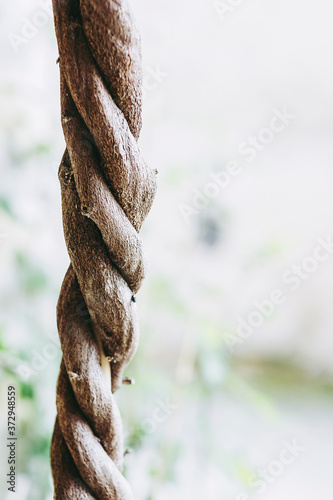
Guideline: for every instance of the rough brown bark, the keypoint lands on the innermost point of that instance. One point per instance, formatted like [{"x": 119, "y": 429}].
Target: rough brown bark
[{"x": 107, "y": 191}]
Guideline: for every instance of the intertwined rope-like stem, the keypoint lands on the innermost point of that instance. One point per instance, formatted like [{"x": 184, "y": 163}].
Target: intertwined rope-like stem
[{"x": 107, "y": 192}]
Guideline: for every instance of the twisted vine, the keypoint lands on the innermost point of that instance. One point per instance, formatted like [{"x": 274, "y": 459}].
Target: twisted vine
[{"x": 107, "y": 191}]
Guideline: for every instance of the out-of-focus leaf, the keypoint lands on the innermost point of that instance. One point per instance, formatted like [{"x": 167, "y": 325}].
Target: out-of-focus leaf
[
  {"x": 26, "y": 390},
  {"x": 5, "y": 206}
]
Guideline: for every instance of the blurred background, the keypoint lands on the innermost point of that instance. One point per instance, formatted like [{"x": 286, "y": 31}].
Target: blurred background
[{"x": 234, "y": 373}]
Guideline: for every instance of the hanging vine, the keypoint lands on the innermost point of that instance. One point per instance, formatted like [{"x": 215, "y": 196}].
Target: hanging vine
[{"x": 107, "y": 192}]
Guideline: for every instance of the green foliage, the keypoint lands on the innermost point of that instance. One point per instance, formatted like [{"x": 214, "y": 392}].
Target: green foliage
[{"x": 5, "y": 206}]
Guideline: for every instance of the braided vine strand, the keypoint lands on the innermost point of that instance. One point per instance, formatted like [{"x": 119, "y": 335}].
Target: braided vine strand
[{"x": 107, "y": 192}]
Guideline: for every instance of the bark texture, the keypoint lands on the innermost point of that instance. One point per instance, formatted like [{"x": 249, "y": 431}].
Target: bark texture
[{"x": 107, "y": 191}]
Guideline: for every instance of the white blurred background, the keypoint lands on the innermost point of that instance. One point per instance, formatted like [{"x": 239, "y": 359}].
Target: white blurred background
[{"x": 216, "y": 74}]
